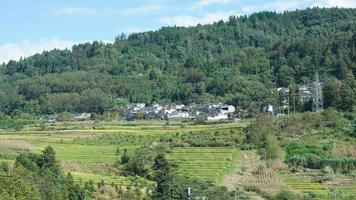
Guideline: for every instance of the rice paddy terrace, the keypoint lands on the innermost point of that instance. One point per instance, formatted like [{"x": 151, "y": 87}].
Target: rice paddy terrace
[
  {"x": 90, "y": 153},
  {"x": 207, "y": 164},
  {"x": 304, "y": 183}
]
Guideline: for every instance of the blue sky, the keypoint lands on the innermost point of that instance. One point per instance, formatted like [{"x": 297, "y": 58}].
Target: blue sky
[{"x": 28, "y": 27}]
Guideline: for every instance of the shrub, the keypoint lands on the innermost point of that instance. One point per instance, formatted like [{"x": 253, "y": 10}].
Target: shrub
[
  {"x": 286, "y": 195},
  {"x": 331, "y": 118},
  {"x": 4, "y": 167},
  {"x": 263, "y": 126},
  {"x": 125, "y": 158},
  {"x": 273, "y": 150},
  {"x": 64, "y": 116},
  {"x": 201, "y": 118}
]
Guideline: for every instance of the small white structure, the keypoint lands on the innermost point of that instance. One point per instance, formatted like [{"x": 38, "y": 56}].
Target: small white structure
[
  {"x": 157, "y": 107},
  {"x": 218, "y": 117},
  {"x": 280, "y": 115},
  {"x": 283, "y": 90},
  {"x": 52, "y": 118},
  {"x": 268, "y": 108},
  {"x": 82, "y": 116},
  {"x": 178, "y": 116},
  {"x": 227, "y": 109},
  {"x": 138, "y": 106},
  {"x": 304, "y": 93},
  {"x": 181, "y": 106}
]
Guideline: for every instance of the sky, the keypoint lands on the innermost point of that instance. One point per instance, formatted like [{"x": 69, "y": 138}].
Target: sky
[{"x": 31, "y": 26}]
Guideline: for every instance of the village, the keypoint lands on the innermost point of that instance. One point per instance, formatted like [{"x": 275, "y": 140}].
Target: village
[{"x": 211, "y": 112}]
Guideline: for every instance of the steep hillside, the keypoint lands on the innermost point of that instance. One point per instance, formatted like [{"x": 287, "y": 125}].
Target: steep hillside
[{"x": 238, "y": 61}]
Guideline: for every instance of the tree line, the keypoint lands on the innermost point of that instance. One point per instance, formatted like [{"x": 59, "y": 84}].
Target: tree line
[{"x": 237, "y": 61}]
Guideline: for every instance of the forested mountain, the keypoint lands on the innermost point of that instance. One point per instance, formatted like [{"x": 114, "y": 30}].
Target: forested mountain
[{"x": 238, "y": 61}]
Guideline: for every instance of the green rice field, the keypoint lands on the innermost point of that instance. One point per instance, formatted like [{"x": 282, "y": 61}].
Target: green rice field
[{"x": 208, "y": 164}]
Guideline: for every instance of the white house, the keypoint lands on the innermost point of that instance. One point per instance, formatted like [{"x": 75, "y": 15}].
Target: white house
[
  {"x": 82, "y": 116},
  {"x": 178, "y": 116},
  {"x": 227, "y": 109},
  {"x": 304, "y": 93},
  {"x": 218, "y": 117}
]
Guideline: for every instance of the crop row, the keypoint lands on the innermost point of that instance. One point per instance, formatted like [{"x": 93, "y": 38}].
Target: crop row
[{"x": 202, "y": 163}]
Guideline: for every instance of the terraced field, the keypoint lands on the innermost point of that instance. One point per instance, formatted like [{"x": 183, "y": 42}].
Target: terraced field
[
  {"x": 85, "y": 177},
  {"x": 148, "y": 128},
  {"x": 303, "y": 184},
  {"x": 81, "y": 149},
  {"x": 208, "y": 164},
  {"x": 84, "y": 153}
]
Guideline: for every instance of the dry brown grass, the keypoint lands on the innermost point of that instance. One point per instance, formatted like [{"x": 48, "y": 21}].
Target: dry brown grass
[
  {"x": 345, "y": 149},
  {"x": 256, "y": 175},
  {"x": 79, "y": 135},
  {"x": 15, "y": 145},
  {"x": 89, "y": 167},
  {"x": 9, "y": 149}
]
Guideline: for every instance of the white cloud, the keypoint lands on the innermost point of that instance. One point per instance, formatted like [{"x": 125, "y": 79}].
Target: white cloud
[
  {"x": 278, "y": 6},
  {"x": 145, "y": 9},
  {"x": 336, "y": 3},
  {"x": 14, "y": 51},
  {"x": 186, "y": 20},
  {"x": 210, "y": 2},
  {"x": 204, "y": 3},
  {"x": 283, "y": 5},
  {"x": 129, "y": 30},
  {"x": 76, "y": 11}
]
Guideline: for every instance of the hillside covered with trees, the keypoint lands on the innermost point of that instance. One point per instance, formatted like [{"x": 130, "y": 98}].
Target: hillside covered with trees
[{"x": 239, "y": 61}]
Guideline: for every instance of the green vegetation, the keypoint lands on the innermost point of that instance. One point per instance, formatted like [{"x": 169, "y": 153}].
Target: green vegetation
[
  {"x": 258, "y": 157},
  {"x": 302, "y": 155},
  {"x": 97, "y": 178},
  {"x": 38, "y": 176},
  {"x": 96, "y": 155},
  {"x": 237, "y": 61},
  {"x": 206, "y": 164}
]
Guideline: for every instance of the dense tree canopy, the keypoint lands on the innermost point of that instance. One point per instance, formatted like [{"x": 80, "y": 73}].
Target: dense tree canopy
[{"x": 243, "y": 58}]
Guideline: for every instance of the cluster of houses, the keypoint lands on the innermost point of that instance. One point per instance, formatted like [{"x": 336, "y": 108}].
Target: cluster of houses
[
  {"x": 212, "y": 112},
  {"x": 304, "y": 93}
]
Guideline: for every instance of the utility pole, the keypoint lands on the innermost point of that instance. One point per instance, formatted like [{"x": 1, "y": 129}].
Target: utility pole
[
  {"x": 317, "y": 95},
  {"x": 189, "y": 192},
  {"x": 288, "y": 106}
]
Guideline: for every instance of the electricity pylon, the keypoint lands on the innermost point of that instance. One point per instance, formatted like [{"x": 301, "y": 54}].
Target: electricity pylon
[{"x": 317, "y": 95}]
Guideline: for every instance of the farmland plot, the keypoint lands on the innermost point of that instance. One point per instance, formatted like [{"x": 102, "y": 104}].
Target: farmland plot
[{"x": 207, "y": 164}]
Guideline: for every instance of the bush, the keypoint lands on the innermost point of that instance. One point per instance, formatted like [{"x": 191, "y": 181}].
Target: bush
[
  {"x": 331, "y": 118},
  {"x": 300, "y": 123},
  {"x": 286, "y": 195},
  {"x": 273, "y": 150},
  {"x": 201, "y": 118},
  {"x": 64, "y": 116},
  {"x": 125, "y": 158},
  {"x": 14, "y": 123},
  {"x": 263, "y": 126},
  {"x": 4, "y": 167}
]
